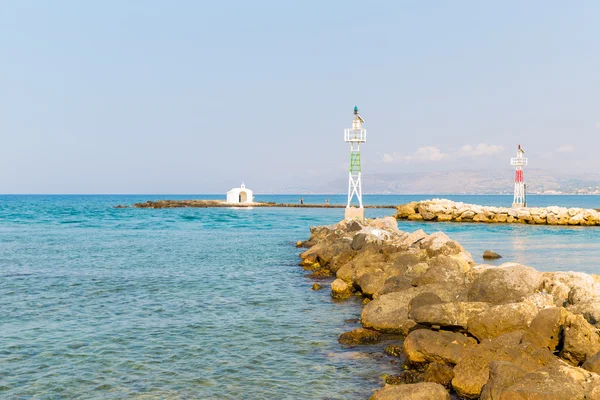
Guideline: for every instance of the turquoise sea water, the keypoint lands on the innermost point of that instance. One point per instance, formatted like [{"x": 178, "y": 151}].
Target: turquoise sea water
[{"x": 98, "y": 302}]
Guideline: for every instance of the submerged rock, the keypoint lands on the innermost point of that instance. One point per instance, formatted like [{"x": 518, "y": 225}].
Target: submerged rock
[
  {"x": 491, "y": 255},
  {"x": 359, "y": 336}
]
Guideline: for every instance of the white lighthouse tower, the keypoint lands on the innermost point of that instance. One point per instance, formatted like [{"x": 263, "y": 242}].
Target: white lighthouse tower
[
  {"x": 355, "y": 136},
  {"x": 519, "y": 162}
]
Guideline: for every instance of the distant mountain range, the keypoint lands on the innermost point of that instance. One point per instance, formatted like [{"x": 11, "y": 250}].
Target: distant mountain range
[{"x": 464, "y": 182}]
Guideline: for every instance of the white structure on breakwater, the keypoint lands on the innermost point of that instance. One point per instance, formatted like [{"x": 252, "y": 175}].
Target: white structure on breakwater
[
  {"x": 355, "y": 136},
  {"x": 520, "y": 199},
  {"x": 240, "y": 195}
]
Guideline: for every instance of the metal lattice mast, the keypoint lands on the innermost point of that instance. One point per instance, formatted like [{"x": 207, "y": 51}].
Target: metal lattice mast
[
  {"x": 355, "y": 136},
  {"x": 519, "y": 162}
]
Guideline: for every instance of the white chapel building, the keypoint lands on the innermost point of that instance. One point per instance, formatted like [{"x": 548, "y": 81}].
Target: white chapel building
[{"x": 240, "y": 195}]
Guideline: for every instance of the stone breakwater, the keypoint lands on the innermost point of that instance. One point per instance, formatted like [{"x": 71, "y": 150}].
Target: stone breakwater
[
  {"x": 446, "y": 210},
  {"x": 220, "y": 203},
  {"x": 473, "y": 331}
]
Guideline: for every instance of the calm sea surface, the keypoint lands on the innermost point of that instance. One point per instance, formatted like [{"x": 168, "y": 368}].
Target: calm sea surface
[{"x": 98, "y": 302}]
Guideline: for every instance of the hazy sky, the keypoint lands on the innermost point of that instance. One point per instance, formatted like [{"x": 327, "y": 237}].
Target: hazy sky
[{"x": 195, "y": 97}]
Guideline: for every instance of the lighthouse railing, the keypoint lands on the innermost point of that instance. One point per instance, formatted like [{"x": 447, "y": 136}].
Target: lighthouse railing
[
  {"x": 355, "y": 135},
  {"x": 518, "y": 161}
]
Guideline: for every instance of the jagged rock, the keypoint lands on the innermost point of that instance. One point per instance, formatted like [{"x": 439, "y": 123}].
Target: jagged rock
[
  {"x": 439, "y": 373},
  {"x": 340, "y": 289},
  {"x": 423, "y": 345},
  {"x": 508, "y": 283},
  {"x": 547, "y": 326},
  {"x": 407, "y": 209},
  {"x": 359, "y": 241},
  {"x": 416, "y": 391},
  {"x": 581, "y": 340},
  {"x": 502, "y": 375},
  {"x": 592, "y": 364},
  {"x": 455, "y": 314},
  {"x": 361, "y": 263},
  {"x": 491, "y": 255},
  {"x": 414, "y": 238},
  {"x": 372, "y": 282},
  {"x": 321, "y": 254},
  {"x": 316, "y": 286},
  {"x": 501, "y": 319},
  {"x": 472, "y": 371},
  {"x": 359, "y": 336}
]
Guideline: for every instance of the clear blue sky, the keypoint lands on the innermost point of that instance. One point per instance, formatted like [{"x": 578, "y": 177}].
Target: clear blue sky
[{"x": 195, "y": 97}]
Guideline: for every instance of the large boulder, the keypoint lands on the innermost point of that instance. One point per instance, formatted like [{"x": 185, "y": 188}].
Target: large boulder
[
  {"x": 364, "y": 261},
  {"x": 508, "y": 283},
  {"x": 389, "y": 312},
  {"x": 589, "y": 309},
  {"x": 423, "y": 345},
  {"x": 502, "y": 375},
  {"x": 372, "y": 281},
  {"x": 416, "y": 391},
  {"x": 454, "y": 314},
  {"x": 405, "y": 210},
  {"x": 561, "y": 286},
  {"x": 555, "y": 381},
  {"x": 581, "y": 340},
  {"x": 501, "y": 319},
  {"x": 340, "y": 289},
  {"x": 423, "y": 299},
  {"x": 444, "y": 268},
  {"x": 547, "y": 327},
  {"x": 472, "y": 371},
  {"x": 439, "y": 373}
]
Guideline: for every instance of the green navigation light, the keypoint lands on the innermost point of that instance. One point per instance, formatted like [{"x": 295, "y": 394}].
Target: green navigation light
[{"x": 355, "y": 109}]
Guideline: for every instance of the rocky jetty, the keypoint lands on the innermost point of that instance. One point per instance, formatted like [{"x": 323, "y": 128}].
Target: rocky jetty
[
  {"x": 221, "y": 203},
  {"x": 443, "y": 210},
  {"x": 472, "y": 331}
]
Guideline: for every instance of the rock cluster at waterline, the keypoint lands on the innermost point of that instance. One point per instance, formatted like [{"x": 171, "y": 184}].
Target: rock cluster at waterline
[
  {"x": 446, "y": 210},
  {"x": 478, "y": 331}
]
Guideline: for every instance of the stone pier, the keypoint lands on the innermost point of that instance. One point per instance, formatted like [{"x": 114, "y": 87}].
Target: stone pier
[{"x": 443, "y": 210}]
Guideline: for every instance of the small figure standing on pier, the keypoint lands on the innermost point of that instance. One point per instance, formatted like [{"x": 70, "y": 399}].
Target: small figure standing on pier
[
  {"x": 326, "y": 201},
  {"x": 301, "y": 201},
  {"x": 520, "y": 199}
]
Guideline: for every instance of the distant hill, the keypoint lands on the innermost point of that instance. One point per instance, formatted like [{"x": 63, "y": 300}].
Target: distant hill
[{"x": 464, "y": 182}]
